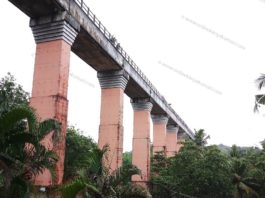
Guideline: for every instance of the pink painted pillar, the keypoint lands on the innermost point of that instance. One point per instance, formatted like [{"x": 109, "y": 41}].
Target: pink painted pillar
[
  {"x": 141, "y": 140},
  {"x": 54, "y": 37},
  {"x": 159, "y": 132},
  {"x": 111, "y": 116},
  {"x": 171, "y": 140},
  {"x": 180, "y": 140}
]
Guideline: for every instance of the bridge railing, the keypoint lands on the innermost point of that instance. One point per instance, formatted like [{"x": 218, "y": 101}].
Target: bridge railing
[
  {"x": 114, "y": 42},
  {"x": 118, "y": 47}
]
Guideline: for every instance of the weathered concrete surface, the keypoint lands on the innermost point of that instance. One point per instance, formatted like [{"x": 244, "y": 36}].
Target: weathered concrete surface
[
  {"x": 49, "y": 96},
  {"x": 111, "y": 128},
  {"x": 141, "y": 140},
  {"x": 171, "y": 140},
  {"x": 37, "y": 8},
  {"x": 181, "y": 138},
  {"x": 111, "y": 116},
  {"x": 54, "y": 37},
  {"x": 159, "y": 133},
  {"x": 97, "y": 49}
]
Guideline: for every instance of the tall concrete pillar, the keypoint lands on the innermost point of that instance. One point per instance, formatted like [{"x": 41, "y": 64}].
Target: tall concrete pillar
[
  {"x": 159, "y": 132},
  {"x": 112, "y": 84},
  {"x": 141, "y": 139},
  {"x": 171, "y": 140},
  {"x": 180, "y": 139},
  {"x": 54, "y": 37}
]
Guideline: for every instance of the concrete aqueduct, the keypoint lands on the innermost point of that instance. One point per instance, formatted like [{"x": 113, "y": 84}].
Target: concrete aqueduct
[{"x": 62, "y": 26}]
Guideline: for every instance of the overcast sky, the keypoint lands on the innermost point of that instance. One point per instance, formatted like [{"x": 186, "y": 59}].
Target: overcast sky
[{"x": 213, "y": 49}]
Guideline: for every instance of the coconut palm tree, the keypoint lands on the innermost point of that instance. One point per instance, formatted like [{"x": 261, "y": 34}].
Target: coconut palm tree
[
  {"x": 22, "y": 156},
  {"x": 245, "y": 187},
  {"x": 200, "y": 137},
  {"x": 245, "y": 184}
]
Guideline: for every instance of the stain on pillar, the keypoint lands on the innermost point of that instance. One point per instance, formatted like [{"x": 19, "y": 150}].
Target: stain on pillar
[
  {"x": 112, "y": 84},
  {"x": 54, "y": 37},
  {"x": 159, "y": 133},
  {"x": 111, "y": 129},
  {"x": 49, "y": 97},
  {"x": 141, "y": 140},
  {"x": 171, "y": 140}
]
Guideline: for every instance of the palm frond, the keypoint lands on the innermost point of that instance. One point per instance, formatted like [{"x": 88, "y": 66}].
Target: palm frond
[
  {"x": 6, "y": 174},
  {"x": 20, "y": 188},
  {"x": 9, "y": 159},
  {"x": 256, "y": 107},
  {"x": 259, "y": 100},
  {"x": 124, "y": 174},
  {"x": 96, "y": 160},
  {"x": 132, "y": 191},
  {"x": 246, "y": 189},
  {"x": 48, "y": 161},
  {"x": 47, "y": 126},
  {"x": 71, "y": 189},
  {"x": 8, "y": 120},
  {"x": 260, "y": 81},
  {"x": 22, "y": 139},
  {"x": 43, "y": 159}
]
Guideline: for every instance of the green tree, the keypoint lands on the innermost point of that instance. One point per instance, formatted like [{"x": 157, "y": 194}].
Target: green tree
[
  {"x": 97, "y": 182},
  {"x": 11, "y": 94},
  {"x": 127, "y": 158},
  {"x": 249, "y": 173},
  {"x": 235, "y": 152},
  {"x": 244, "y": 183},
  {"x": 206, "y": 172},
  {"x": 159, "y": 171},
  {"x": 200, "y": 138},
  {"x": 77, "y": 153},
  {"x": 196, "y": 171},
  {"x": 22, "y": 156}
]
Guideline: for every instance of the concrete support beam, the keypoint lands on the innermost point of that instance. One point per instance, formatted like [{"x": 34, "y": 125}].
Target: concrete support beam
[
  {"x": 111, "y": 116},
  {"x": 50, "y": 82},
  {"x": 171, "y": 140},
  {"x": 141, "y": 139},
  {"x": 159, "y": 133}
]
